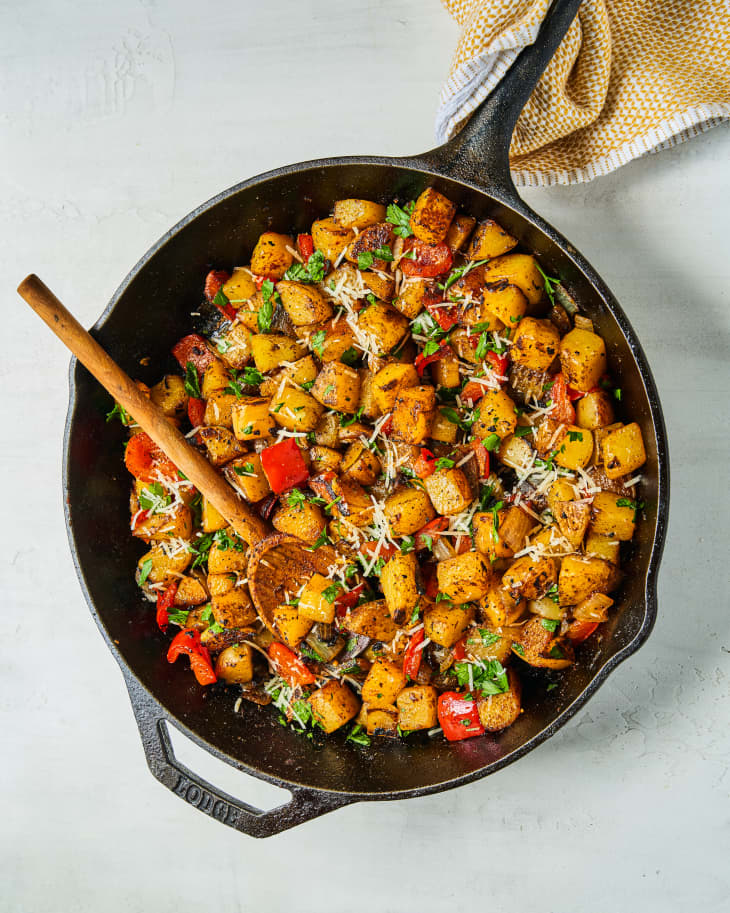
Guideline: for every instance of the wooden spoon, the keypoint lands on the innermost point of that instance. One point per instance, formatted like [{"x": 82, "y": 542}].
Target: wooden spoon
[{"x": 146, "y": 414}]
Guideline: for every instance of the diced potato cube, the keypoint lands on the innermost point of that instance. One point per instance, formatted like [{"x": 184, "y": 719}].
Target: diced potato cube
[
  {"x": 215, "y": 377},
  {"x": 220, "y": 584},
  {"x": 290, "y": 625},
  {"x": 445, "y": 371},
  {"x": 306, "y": 521},
  {"x": 358, "y": 213},
  {"x": 338, "y": 338},
  {"x": 582, "y": 358},
  {"x": 389, "y": 381},
  {"x": 170, "y": 395},
  {"x": 449, "y": 491},
  {"x": 384, "y": 683},
  {"x": 240, "y": 287},
  {"x": 371, "y": 619},
  {"x": 237, "y": 344},
  {"x": 594, "y": 410},
  {"x": 338, "y": 387},
  {"x": 303, "y": 303},
  {"x": 220, "y": 444},
  {"x": 515, "y": 452},
  {"x": 380, "y": 284},
  {"x": 190, "y": 591},
  {"x": 612, "y": 517},
  {"x": 500, "y": 607},
  {"x": 432, "y": 216},
  {"x": 314, "y": 601},
  {"x": 178, "y": 524},
  {"x": 602, "y": 547},
  {"x": 530, "y": 577},
  {"x": 497, "y": 711},
  {"x": 382, "y": 723},
  {"x": 398, "y": 582},
  {"x": 535, "y": 344},
  {"x": 384, "y": 326},
  {"x": 488, "y": 644},
  {"x": 270, "y": 257},
  {"x": 442, "y": 429},
  {"x": 360, "y": 464},
  {"x": 459, "y": 230},
  {"x": 444, "y": 623},
  {"x": 496, "y": 415},
  {"x": 623, "y": 451},
  {"x": 227, "y": 560},
  {"x": 464, "y": 577},
  {"x": 270, "y": 349},
  {"x": 234, "y": 609},
  {"x": 218, "y": 409},
  {"x": 251, "y": 418},
  {"x": 411, "y": 300},
  {"x": 574, "y": 447},
  {"x": 513, "y": 525},
  {"x": 581, "y": 576},
  {"x": 163, "y": 568},
  {"x": 490, "y": 240},
  {"x": 520, "y": 270},
  {"x": 247, "y": 476},
  {"x": 294, "y": 409},
  {"x": 408, "y": 510},
  {"x": 331, "y": 238},
  {"x": 417, "y": 708},
  {"x": 413, "y": 414},
  {"x": 334, "y": 705},
  {"x": 210, "y": 518},
  {"x": 235, "y": 664},
  {"x": 324, "y": 459}
]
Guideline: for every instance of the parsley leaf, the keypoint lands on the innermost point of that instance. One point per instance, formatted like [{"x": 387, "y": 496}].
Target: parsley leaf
[
  {"x": 296, "y": 498},
  {"x": 444, "y": 463},
  {"x": 316, "y": 341},
  {"x": 400, "y": 218},
  {"x": 550, "y": 283},
  {"x": 144, "y": 571},
  {"x": 154, "y": 498},
  {"x": 124, "y": 417},
  {"x": 492, "y": 442},
  {"x": 311, "y": 271},
  {"x": 347, "y": 420},
  {"x": 252, "y": 377},
  {"x": 550, "y": 624},
  {"x": 489, "y": 678},
  {"x": 266, "y": 311},
  {"x": 234, "y": 385},
  {"x": 350, "y": 357},
  {"x": 192, "y": 382},
  {"x": 358, "y": 735},
  {"x": 332, "y": 591}
]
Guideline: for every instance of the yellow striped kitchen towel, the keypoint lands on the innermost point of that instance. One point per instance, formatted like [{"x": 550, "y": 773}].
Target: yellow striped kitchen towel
[{"x": 631, "y": 77}]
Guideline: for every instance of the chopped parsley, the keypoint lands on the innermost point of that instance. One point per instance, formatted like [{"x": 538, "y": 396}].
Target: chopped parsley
[
  {"x": 347, "y": 420},
  {"x": 144, "y": 571},
  {"x": 550, "y": 283},
  {"x": 550, "y": 624},
  {"x": 358, "y": 735},
  {"x": 492, "y": 442},
  {"x": 400, "y": 218},
  {"x": 316, "y": 341},
  {"x": 575, "y": 436},
  {"x": 322, "y": 539},
  {"x": 234, "y": 385},
  {"x": 408, "y": 544},
  {"x": 488, "y": 677},
  {"x": 350, "y": 357},
  {"x": 154, "y": 498},
  {"x": 124, "y": 417},
  {"x": 444, "y": 463},
  {"x": 332, "y": 592},
  {"x": 192, "y": 381},
  {"x": 266, "y": 311},
  {"x": 252, "y": 376},
  {"x": 312, "y": 271}
]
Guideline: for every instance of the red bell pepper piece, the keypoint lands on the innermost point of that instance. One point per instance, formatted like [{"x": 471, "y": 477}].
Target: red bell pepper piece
[
  {"x": 563, "y": 410},
  {"x": 188, "y": 641},
  {"x": 581, "y": 630},
  {"x": 306, "y": 246},
  {"x": 430, "y": 259},
  {"x": 290, "y": 666},
  {"x": 196, "y": 411},
  {"x": 422, "y": 361},
  {"x": 424, "y": 464},
  {"x": 144, "y": 459},
  {"x": 193, "y": 348},
  {"x": 499, "y": 363},
  {"x": 482, "y": 458},
  {"x": 431, "y": 581},
  {"x": 284, "y": 465},
  {"x": 214, "y": 282},
  {"x": 445, "y": 317},
  {"x": 140, "y": 518},
  {"x": 165, "y": 601},
  {"x": 431, "y": 529},
  {"x": 348, "y": 600},
  {"x": 458, "y": 716},
  {"x": 459, "y": 649},
  {"x": 472, "y": 392},
  {"x": 387, "y": 426},
  {"x": 386, "y": 549},
  {"x": 573, "y": 394},
  {"x": 413, "y": 655}
]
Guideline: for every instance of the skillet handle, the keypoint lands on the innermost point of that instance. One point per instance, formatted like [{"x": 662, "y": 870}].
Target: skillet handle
[
  {"x": 479, "y": 153},
  {"x": 305, "y": 804}
]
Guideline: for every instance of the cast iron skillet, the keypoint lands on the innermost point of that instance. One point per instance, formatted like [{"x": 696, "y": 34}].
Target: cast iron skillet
[{"x": 151, "y": 310}]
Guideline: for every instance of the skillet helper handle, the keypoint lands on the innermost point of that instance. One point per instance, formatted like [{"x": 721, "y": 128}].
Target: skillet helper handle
[
  {"x": 305, "y": 804},
  {"x": 479, "y": 153},
  {"x": 147, "y": 415}
]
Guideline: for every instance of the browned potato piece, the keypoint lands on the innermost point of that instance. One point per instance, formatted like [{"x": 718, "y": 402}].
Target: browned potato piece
[
  {"x": 367, "y": 405},
  {"x": 163, "y": 568},
  {"x": 408, "y": 510},
  {"x": 314, "y": 603},
  {"x": 432, "y": 216},
  {"x": 449, "y": 491},
  {"x": 360, "y": 464},
  {"x": 190, "y": 591},
  {"x": 246, "y": 475},
  {"x": 443, "y": 430},
  {"x": 234, "y": 609},
  {"x": 444, "y": 623},
  {"x": 290, "y": 625},
  {"x": 358, "y": 213},
  {"x": 482, "y": 309},
  {"x": 572, "y": 519},
  {"x": 417, "y": 708},
  {"x": 459, "y": 230},
  {"x": 602, "y": 547},
  {"x": 574, "y": 447},
  {"x": 398, "y": 581},
  {"x": 338, "y": 338},
  {"x": 368, "y": 241},
  {"x": 178, "y": 524},
  {"x": 490, "y": 240},
  {"x": 581, "y": 576},
  {"x": 623, "y": 451},
  {"x": 498, "y": 711},
  {"x": 464, "y": 577},
  {"x": 520, "y": 270},
  {"x": 211, "y": 520},
  {"x": 338, "y": 387},
  {"x": 412, "y": 297},
  {"x": 582, "y": 358},
  {"x": 496, "y": 415},
  {"x": 294, "y": 409},
  {"x": 240, "y": 287},
  {"x": 300, "y": 372},
  {"x": 612, "y": 517},
  {"x": 306, "y": 521},
  {"x": 324, "y": 459},
  {"x": 235, "y": 664},
  {"x": 594, "y": 608},
  {"x": 270, "y": 257},
  {"x": 513, "y": 525},
  {"x": 515, "y": 452},
  {"x": 461, "y": 341},
  {"x": 371, "y": 620},
  {"x": 333, "y": 705},
  {"x": 385, "y": 326},
  {"x": 413, "y": 414},
  {"x": 270, "y": 349},
  {"x": 594, "y": 410},
  {"x": 235, "y": 346},
  {"x": 220, "y": 444},
  {"x": 382, "y": 723},
  {"x": 218, "y": 409},
  {"x": 303, "y": 303},
  {"x": 215, "y": 377},
  {"x": 251, "y": 418},
  {"x": 445, "y": 371},
  {"x": 487, "y": 644},
  {"x": 170, "y": 395},
  {"x": 535, "y": 344},
  {"x": 389, "y": 381},
  {"x": 380, "y": 284},
  {"x": 384, "y": 683},
  {"x": 331, "y": 238},
  {"x": 220, "y": 584},
  {"x": 530, "y": 577}
]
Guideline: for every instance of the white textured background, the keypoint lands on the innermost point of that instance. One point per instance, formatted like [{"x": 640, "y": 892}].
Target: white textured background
[{"x": 117, "y": 118}]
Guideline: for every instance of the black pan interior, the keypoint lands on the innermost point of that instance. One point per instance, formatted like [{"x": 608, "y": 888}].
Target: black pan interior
[{"x": 148, "y": 314}]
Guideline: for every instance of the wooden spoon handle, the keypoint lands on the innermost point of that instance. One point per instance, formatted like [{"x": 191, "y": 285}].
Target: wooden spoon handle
[{"x": 147, "y": 415}]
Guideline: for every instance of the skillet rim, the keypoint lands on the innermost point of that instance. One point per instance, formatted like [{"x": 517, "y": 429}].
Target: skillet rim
[{"x": 423, "y": 165}]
